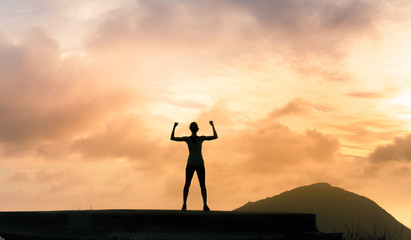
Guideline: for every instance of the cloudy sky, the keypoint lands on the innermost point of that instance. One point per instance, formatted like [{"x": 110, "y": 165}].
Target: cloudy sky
[{"x": 300, "y": 92}]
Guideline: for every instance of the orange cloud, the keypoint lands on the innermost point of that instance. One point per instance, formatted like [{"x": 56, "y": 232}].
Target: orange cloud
[
  {"x": 271, "y": 148},
  {"x": 399, "y": 150},
  {"x": 18, "y": 176},
  {"x": 45, "y": 99},
  {"x": 128, "y": 137},
  {"x": 298, "y": 106},
  {"x": 368, "y": 94}
]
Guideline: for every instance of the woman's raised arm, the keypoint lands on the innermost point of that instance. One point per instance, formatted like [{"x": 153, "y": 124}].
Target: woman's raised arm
[
  {"x": 173, "y": 138},
  {"x": 215, "y": 136}
]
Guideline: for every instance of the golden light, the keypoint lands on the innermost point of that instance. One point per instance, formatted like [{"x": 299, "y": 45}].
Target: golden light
[{"x": 400, "y": 106}]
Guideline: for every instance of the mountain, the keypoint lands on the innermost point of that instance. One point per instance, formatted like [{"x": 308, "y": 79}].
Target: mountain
[{"x": 336, "y": 209}]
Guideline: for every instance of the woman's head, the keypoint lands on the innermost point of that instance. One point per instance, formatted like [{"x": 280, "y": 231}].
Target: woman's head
[{"x": 194, "y": 127}]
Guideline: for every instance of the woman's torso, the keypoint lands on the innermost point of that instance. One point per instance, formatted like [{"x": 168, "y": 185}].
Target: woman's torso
[{"x": 195, "y": 156}]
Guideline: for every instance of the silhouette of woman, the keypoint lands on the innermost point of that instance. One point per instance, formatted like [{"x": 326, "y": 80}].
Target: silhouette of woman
[{"x": 195, "y": 161}]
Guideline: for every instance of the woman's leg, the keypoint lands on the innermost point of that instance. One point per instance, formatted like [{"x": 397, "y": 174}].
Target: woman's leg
[
  {"x": 189, "y": 176},
  {"x": 201, "y": 179}
]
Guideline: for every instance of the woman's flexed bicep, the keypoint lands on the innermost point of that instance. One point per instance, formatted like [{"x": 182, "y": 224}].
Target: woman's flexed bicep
[
  {"x": 174, "y": 138},
  {"x": 215, "y": 136}
]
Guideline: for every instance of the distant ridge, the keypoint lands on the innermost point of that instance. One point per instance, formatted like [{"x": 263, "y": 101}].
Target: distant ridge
[{"x": 336, "y": 209}]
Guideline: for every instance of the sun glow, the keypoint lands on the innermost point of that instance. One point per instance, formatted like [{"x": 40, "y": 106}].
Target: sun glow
[{"x": 401, "y": 106}]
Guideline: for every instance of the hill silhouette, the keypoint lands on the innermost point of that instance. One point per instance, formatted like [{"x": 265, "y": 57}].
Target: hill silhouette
[{"x": 336, "y": 209}]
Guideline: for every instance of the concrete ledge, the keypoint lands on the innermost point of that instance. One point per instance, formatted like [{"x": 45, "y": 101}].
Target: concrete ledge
[{"x": 158, "y": 224}]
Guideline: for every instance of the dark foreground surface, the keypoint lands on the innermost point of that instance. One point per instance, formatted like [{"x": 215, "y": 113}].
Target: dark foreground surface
[{"x": 158, "y": 224}]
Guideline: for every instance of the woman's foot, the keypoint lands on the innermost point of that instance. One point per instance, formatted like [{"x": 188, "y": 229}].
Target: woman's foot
[
  {"x": 184, "y": 208},
  {"x": 206, "y": 208}
]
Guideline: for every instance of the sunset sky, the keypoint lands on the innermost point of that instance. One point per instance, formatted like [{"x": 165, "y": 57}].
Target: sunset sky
[{"x": 300, "y": 91}]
